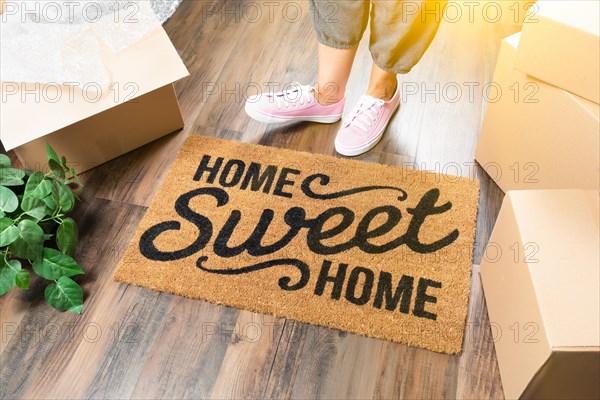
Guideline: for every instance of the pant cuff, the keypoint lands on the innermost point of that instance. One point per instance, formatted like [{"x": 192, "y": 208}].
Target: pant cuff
[{"x": 331, "y": 43}]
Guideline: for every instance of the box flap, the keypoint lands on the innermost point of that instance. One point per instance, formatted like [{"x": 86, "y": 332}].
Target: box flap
[
  {"x": 559, "y": 45},
  {"x": 520, "y": 335},
  {"x": 580, "y": 14},
  {"x": 560, "y": 235},
  {"x": 592, "y": 108},
  {"x": 30, "y": 111}
]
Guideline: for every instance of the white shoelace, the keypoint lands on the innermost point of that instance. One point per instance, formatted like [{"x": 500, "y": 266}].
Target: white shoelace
[
  {"x": 365, "y": 113},
  {"x": 296, "y": 94}
]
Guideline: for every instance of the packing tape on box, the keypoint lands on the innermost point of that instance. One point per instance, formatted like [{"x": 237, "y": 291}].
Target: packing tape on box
[{"x": 61, "y": 42}]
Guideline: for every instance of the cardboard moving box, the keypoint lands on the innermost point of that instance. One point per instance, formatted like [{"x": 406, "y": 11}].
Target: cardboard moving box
[
  {"x": 541, "y": 282},
  {"x": 559, "y": 45},
  {"x": 537, "y": 136},
  {"x": 90, "y": 127}
]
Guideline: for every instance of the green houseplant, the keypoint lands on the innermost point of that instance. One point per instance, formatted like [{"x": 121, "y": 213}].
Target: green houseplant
[{"x": 36, "y": 232}]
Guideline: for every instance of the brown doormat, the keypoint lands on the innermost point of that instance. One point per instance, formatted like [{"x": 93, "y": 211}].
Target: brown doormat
[{"x": 366, "y": 248}]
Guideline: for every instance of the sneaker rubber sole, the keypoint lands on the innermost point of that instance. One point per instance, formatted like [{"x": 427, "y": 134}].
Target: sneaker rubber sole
[{"x": 273, "y": 119}]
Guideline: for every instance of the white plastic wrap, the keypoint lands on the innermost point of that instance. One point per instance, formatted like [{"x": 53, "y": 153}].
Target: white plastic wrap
[
  {"x": 164, "y": 9},
  {"x": 61, "y": 42}
]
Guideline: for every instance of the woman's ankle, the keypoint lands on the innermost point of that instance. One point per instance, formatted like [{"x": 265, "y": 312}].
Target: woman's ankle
[{"x": 383, "y": 90}]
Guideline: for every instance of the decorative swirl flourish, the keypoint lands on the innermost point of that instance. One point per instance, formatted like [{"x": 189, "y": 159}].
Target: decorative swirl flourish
[
  {"x": 284, "y": 282},
  {"x": 324, "y": 181}
]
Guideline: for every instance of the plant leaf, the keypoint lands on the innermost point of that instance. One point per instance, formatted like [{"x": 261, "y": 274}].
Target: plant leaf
[
  {"x": 51, "y": 154},
  {"x": 29, "y": 203},
  {"x": 33, "y": 207},
  {"x": 64, "y": 194},
  {"x": 75, "y": 177},
  {"x": 37, "y": 213},
  {"x": 4, "y": 160},
  {"x": 57, "y": 169},
  {"x": 65, "y": 295},
  {"x": 55, "y": 264},
  {"x": 37, "y": 186},
  {"x": 67, "y": 236},
  {"x": 8, "y": 273},
  {"x": 22, "y": 279},
  {"x": 8, "y": 200},
  {"x": 30, "y": 241},
  {"x": 11, "y": 176},
  {"x": 8, "y": 232},
  {"x": 50, "y": 202}
]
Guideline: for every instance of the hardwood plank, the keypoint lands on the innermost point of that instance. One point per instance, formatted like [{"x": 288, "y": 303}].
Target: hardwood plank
[
  {"x": 249, "y": 358},
  {"x": 490, "y": 200},
  {"x": 354, "y": 372},
  {"x": 491, "y": 195},
  {"x": 317, "y": 360},
  {"x": 478, "y": 375},
  {"x": 285, "y": 365},
  {"x": 452, "y": 120},
  {"x": 411, "y": 373},
  {"x": 186, "y": 357},
  {"x": 14, "y": 309}
]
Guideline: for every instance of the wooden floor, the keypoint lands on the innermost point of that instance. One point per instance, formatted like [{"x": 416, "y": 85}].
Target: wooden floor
[{"x": 131, "y": 342}]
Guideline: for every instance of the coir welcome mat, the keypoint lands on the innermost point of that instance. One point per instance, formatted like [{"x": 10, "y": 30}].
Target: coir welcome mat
[{"x": 366, "y": 248}]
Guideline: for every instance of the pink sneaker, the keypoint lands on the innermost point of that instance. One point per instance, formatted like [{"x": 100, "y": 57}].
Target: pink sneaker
[
  {"x": 365, "y": 126},
  {"x": 292, "y": 105}
]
